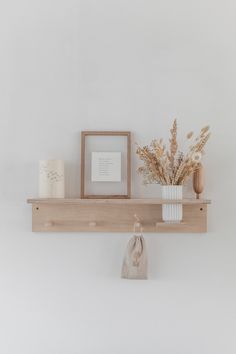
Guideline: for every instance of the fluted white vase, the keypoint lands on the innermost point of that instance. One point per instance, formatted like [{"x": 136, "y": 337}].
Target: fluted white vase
[
  {"x": 51, "y": 179},
  {"x": 172, "y": 213}
]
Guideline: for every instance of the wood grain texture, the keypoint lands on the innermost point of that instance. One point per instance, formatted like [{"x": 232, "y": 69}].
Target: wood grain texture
[
  {"x": 105, "y": 133},
  {"x": 117, "y": 201},
  {"x": 50, "y": 216}
]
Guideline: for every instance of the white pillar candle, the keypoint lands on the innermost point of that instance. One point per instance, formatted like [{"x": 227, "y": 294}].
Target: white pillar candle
[{"x": 51, "y": 179}]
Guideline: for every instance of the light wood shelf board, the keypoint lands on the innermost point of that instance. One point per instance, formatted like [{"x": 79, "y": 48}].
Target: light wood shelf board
[
  {"x": 81, "y": 215},
  {"x": 133, "y": 201}
]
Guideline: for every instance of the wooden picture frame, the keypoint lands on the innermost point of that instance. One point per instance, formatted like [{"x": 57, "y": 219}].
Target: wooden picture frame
[{"x": 86, "y": 134}]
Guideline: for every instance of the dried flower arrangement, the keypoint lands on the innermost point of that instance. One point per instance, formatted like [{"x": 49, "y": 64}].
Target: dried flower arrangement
[{"x": 171, "y": 166}]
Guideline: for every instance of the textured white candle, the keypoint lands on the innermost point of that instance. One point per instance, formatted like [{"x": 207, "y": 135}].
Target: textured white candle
[{"x": 51, "y": 179}]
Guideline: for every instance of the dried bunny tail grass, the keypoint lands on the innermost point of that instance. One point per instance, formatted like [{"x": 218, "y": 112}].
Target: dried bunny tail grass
[{"x": 189, "y": 135}]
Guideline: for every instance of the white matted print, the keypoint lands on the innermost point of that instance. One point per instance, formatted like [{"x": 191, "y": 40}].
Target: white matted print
[{"x": 106, "y": 167}]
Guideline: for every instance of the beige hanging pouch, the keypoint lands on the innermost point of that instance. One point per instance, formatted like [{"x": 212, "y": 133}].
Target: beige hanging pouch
[{"x": 135, "y": 260}]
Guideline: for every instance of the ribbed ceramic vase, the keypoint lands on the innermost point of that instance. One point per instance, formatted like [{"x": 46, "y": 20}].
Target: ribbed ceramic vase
[
  {"x": 51, "y": 179},
  {"x": 172, "y": 213}
]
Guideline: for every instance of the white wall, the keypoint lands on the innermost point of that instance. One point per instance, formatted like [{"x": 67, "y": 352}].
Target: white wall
[{"x": 68, "y": 65}]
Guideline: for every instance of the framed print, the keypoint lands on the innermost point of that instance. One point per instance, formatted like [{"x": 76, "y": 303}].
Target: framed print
[{"x": 105, "y": 164}]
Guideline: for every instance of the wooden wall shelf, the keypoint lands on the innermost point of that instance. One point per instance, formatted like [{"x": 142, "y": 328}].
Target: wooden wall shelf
[{"x": 115, "y": 215}]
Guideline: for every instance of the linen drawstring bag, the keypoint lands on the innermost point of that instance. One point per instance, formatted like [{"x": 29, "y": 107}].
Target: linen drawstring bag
[{"x": 135, "y": 260}]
